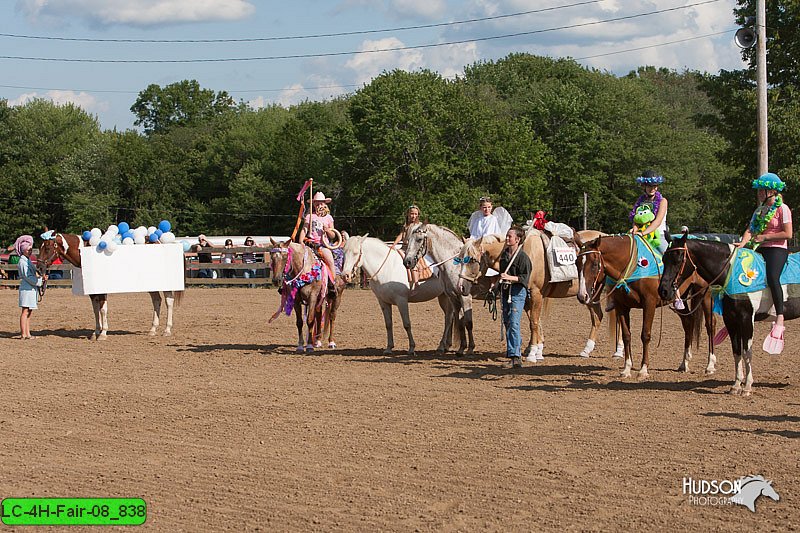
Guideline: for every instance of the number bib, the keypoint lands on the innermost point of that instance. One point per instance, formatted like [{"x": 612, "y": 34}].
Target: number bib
[{"x": 565, "y": 256}]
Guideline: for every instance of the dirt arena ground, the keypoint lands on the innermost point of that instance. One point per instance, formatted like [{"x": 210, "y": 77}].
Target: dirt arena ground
[{"x": 224, "y": 427}]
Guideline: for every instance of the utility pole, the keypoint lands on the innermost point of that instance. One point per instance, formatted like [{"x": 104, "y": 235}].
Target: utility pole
[{"x": 761, "y": 84}]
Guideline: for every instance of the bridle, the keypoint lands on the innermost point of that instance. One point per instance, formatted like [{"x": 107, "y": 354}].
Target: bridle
[
  {"x": 464, "y": 261},
  {"x": 692, "y": 279},
  {"x": 596, "y": 294}
]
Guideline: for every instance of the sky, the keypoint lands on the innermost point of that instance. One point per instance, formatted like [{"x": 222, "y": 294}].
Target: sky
[{"x": 284, "y": 52}]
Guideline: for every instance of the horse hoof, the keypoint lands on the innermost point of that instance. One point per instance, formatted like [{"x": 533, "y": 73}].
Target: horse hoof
[
  {"x": 735, "y": 391},
  {"x": 683, "y": 368},
  {"x": 301, "y": 348},
  {"x": 584, "y": 354},
  {"x": 152, "y": 333},
  {"x": 411, "y": 352},
  {"x": 387, "y": 351},
  {"x": 710, "y": 371},
  {"x": 746, "y": 393},
  {"x": 318, "y": 344},
  {"x": 331, "y": 345},
  {"x": 309, "y": 347},
  {"x": 625, "y": 374},
  {"x": 102, "y": 337},
  {"x": 532, "y": 358},
  {"x": 167, "y": 333},
  {"x": 643, "y": 376}
]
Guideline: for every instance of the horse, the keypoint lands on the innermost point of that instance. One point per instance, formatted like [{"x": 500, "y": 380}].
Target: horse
[
  {"x": 751, "y": 488},
  {"x": 443, "y": 246},
  {"x": 67, "y": 247},
  {"x": 388, "y": 280},
  {"x": 300, "y": 275},
  {"x": 687, "y": 259},
  {"x": 616, "y": 257},
  {"x": 478, "y": 255}
]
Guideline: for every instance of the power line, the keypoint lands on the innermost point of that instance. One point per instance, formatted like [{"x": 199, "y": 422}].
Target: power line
[
  {"x": 358, "y": 52},
  {"x": 298, "y": 37},
  {"x": 350, "y": 86},
  {"x": 657, "y": 45}
]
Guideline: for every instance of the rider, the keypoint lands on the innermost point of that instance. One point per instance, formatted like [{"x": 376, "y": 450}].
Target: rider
[
  {"x": 411, "y": 218},
  {"x": 315, "y": 225},
  {"x": 770, "y": 227},
  {"x": 650, "y": 182},
  {"x": 487, "y": 220}
]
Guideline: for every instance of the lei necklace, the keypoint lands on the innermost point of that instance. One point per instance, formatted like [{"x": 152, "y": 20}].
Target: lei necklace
[
  {"x": 644, "y": 199},
  {"x": 760, "y": 219}
]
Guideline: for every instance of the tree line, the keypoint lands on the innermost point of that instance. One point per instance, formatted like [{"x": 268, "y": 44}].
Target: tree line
[{"x": 532, "y": 132}]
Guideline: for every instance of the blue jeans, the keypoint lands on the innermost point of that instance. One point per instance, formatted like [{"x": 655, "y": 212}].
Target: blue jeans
[{"x": 512, "y": 314}]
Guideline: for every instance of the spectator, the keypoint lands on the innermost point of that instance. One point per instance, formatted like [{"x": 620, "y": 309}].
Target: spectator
[
  {"x": 204, "y": 257},
  {"x": 249, "y": 258},
  {"x": 228, "y": 258},
  {"x": 56, "y": 274}
]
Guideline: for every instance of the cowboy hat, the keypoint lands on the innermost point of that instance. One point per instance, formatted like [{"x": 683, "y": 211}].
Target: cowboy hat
[{"x": 320, "y": 197}]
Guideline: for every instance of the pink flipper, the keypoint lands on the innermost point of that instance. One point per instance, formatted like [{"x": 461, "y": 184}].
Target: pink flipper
[
  {"x": 721, "y": 335},
  {"x": 773, "y": 344}
]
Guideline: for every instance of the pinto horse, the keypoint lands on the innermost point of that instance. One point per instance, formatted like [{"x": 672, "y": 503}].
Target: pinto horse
[
  {"x": 616, "y": 257},
  {"x": 688, "y": 259},
  {"x": 301, "y": 281},
  {"x": 67, "y": 247},
  {"x": 478, "y": 255}
]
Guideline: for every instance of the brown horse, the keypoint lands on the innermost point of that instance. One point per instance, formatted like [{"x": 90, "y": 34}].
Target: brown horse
[
  {"x": 615, "y": 257},
  {"x": 290, "y": 262},
  {"x": 67, "y": 247},
  {"x": 477, "y": 256}
]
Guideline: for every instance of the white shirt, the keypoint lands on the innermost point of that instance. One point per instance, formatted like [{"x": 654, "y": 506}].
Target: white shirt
[{"x": 484, "y": 226}]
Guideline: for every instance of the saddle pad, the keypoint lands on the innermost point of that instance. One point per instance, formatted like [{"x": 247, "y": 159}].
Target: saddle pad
[{"x": 748, "y": 272}]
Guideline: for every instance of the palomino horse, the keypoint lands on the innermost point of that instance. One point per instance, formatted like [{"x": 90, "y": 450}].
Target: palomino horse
[
  {"x": 388, "y": 280},
  {"x": 478, "y": 255},
  {"x": 616, "y": 257},
  {"x": 301, "y": 285},
  {"x": 690, "y": 259},
  {"x": 443, "y": 246},
  {"x": 67, "y": 246}
]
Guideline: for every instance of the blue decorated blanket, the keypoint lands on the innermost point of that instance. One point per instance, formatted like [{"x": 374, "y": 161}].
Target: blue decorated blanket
[
  {"x": 647, "y": 263},
  {"x": 748, "y": 273}
]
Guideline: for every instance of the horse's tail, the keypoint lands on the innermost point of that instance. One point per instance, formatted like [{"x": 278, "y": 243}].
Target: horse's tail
[
  {"x": 545, "y": 308},
  {"x": 178, "y": 298},
  {"x": 612, "y": 327}
]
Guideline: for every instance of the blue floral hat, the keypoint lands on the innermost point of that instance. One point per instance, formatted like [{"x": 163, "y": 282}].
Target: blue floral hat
[
  {"x": 770, "y": 182},
  {"x": 649, "y": 177}
]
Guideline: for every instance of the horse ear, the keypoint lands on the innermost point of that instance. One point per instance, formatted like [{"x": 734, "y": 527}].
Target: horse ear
[
  {"x": 366, "y": 235},
  {"x": 272, "y": 242},
  {"x": 285, "y": 243}
]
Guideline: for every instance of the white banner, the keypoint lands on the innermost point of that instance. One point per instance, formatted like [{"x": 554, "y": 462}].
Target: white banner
[{"x": 133, "y": 268}]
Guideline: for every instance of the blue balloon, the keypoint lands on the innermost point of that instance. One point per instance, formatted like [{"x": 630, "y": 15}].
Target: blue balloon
[
  {"x": 126, "y": 234},
  {"x": 164, "y": 226},
  {"x": 123, "y": 227},
  {"x": 186, "y": 246},
  {"x": 102, "y": 245},
  {"x": 159, "y": 233},
  {"x": 153, "y": 237},
  {"x": 87, "y": 235}
]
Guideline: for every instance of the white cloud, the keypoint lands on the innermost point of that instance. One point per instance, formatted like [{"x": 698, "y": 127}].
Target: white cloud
[
  {"x": 370, "y": 65},
  {"x": 85, "y": 101},
  {"x": 313, "y": 88},
  {"x": 136, "y": 12},
  {"x": 418, "y": 9}
]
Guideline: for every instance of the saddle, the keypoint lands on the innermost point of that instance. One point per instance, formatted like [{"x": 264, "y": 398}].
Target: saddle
[
  {"x": 748, "y": 273},
  {"x": 562, "y": 250}
]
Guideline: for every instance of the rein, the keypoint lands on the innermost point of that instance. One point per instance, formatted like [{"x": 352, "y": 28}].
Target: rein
[{"x": 695, "y": 272}]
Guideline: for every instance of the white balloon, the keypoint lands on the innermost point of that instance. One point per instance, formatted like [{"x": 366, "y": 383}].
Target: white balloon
[
  {"x": 140, "y": 230},
  {"x": 117, "y": 238},
  {"x": 127, "y": 241},
  {"x": 94, "y": 240},
  {"x": 113, "y": 229},
  {"x": 138, "y": 238},
  {"x": 96, "y": 232},
  {"x": 167, "y": 237},
  {"x": 112, "y": 246},
  {"x": 151, "y": 230}
]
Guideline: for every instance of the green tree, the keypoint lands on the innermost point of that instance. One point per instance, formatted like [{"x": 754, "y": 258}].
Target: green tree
[{"x": 183, "y": 103}]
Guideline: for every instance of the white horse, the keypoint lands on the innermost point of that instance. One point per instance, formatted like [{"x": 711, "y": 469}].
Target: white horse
[
  {"x": 388, "y": 280},
  {"x": 444, "y": 246}
]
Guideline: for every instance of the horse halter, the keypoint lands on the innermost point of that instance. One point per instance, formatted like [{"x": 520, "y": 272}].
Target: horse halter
[
  {"x": 687, "y": 256},
  {"x": 598, "y": 277},
  {"x": 466, "y": 260},
  {"x": 423, "y": 248}
]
